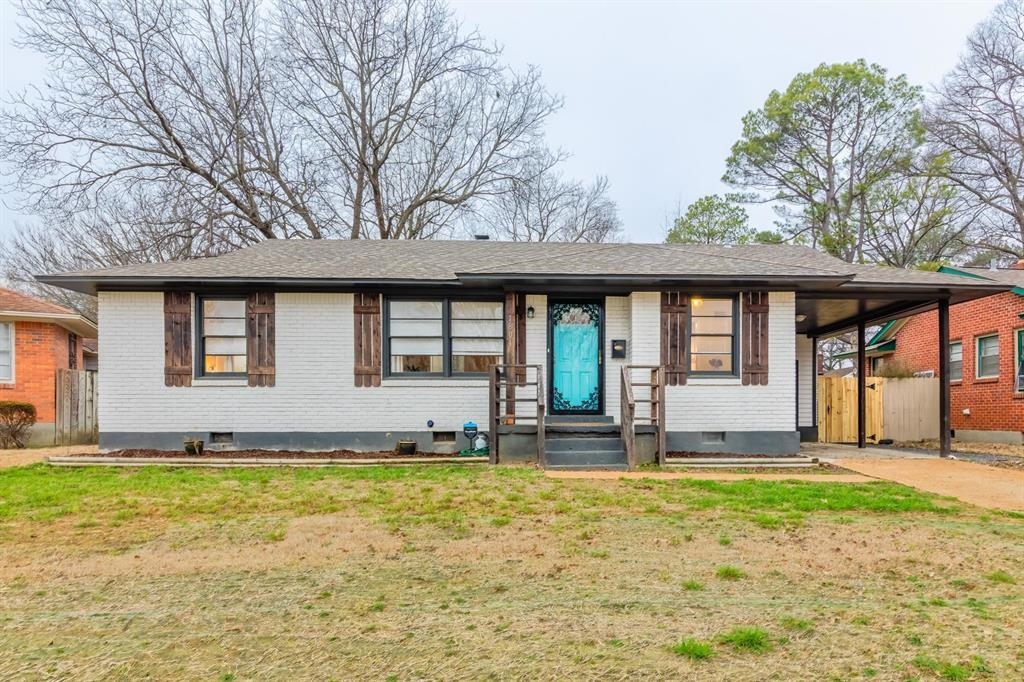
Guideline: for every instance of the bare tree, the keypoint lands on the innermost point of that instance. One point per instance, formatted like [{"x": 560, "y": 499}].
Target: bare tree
[
  {"x": 173, "y": 97},
  {"x": 918, "y": 217},
  {"x": 142, "y": 229},
  {"x": 542, "y": 206},
  {"x": 978, "y": 119},
  {"x": 422, "y": 116}
]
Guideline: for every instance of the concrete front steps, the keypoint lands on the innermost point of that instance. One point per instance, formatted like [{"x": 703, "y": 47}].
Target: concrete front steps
[{"x": 584, "y": 442}]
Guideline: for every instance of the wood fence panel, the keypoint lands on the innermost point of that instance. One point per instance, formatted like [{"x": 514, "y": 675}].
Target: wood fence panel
[
  {"x": 911, "y": 409},
  {"x": 897, "y": 409},
  {"x": 76, "y": 421}
]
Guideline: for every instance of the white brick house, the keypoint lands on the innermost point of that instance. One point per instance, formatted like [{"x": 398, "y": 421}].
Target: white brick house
[{"x": 355, "y": 345}]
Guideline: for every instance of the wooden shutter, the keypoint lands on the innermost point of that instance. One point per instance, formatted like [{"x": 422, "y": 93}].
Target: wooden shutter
[
  {"x": 366, "y": 321},
  {"x": 515, "y": 329},
  {"x": 754, "y": 345},
  {"x": 675, "y": 324},
  {"x": 260, "y": 338},
  {"x": 515, "y": 347},
  {"x": 177, "y": 338}
]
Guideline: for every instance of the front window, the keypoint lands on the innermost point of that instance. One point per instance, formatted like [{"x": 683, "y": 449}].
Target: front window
[
  {"x": 712, "y": 335},
  {"x": 6, "y": 352},
  {"x": 444, "y": 337},
  {"x": 988, "y": 357},
  {"x": 222, "y": 329},
  {"x": 956, "y": 361}
]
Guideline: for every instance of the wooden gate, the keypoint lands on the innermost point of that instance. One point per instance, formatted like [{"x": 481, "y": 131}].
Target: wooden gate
[
  {"x": 76, "y": 421},
  {"x": 837, "y": 409},
  {"x": 896, "y": 409}
]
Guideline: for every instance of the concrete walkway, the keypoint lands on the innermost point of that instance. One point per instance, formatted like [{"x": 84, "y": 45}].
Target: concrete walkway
[
  {"x": 17, "y": 458},
  {"x": 976, "y": 484},
  {"x": 710, "y": 476}
]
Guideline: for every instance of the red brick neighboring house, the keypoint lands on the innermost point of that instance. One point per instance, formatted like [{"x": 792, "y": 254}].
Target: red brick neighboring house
[
  {"x": 986, "y": 348},
  {"x": 36, "y": 339}
]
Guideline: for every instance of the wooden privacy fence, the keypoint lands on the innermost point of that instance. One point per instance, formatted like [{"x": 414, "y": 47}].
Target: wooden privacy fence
[
  {"x": 895, "y": 409},
  {"x": 76, "y": 421}
]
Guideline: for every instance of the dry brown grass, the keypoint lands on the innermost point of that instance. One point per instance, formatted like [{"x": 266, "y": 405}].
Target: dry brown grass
[
  {"x": 972, "y": 447},
  {"x": 540, "y": 579}
]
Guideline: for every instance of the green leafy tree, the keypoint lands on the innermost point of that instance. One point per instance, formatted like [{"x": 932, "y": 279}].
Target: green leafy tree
[
  {"x": 711, "y": 220},
  {"x": 818, "y": 149}
]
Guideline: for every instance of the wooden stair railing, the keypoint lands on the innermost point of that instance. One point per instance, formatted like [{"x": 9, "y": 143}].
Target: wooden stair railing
[
  {"x": 504, "y": 380},
  {"x": 656, "y": 416}
]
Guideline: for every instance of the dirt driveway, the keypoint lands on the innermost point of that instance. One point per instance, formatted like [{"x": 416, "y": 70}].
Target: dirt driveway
[
  {"x": 17, "y": 458},
  {"x": 977, "y": 484}
]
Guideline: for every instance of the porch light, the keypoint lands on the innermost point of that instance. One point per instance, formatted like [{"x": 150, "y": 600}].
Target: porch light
[
  {"x": 697, "y": 300},
  {"x": 530, "y": 312},
  {"x": 801, "y": 317}
]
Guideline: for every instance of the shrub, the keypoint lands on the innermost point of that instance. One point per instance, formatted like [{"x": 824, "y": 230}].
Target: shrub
[
  {"x": 893, "y": 368},
  {"x": 16, "y": 418}
]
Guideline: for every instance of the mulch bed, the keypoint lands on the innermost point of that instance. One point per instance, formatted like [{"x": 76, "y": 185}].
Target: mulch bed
[{"x": 272, "y": 454}]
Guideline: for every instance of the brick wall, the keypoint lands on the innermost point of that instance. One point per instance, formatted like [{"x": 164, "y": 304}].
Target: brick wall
[
  {"x": 315, "y": 390},
  {"x": 40, "y": 348},
  {"x": 993, "y": 403}
]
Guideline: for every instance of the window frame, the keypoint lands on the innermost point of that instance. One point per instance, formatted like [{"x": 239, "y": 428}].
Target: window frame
[
  {"x": 736, "y": 331},
  {"x": 977, "y": 356},
  {"x": 200, "y": 338},
  {"x": 949, "y": 353},
  {"x": 1018, "y": 358},
  {"x": 446, "y": 336},
  {"x": 11, "y": 335}
]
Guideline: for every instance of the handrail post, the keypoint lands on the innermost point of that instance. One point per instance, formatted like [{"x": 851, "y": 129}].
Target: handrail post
[
  {"x": 662, "y": 446},
  {"x": 542, "y": 457},
  {"x": 494, "y": 412}
]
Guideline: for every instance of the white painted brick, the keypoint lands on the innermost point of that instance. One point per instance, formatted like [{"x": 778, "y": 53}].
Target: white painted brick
[
  {"x": 805, "y": 356},
  {"x": 315, "y": 389},
  {"x": 617, "y": 324},
  {"x": 725, "y": 404}
]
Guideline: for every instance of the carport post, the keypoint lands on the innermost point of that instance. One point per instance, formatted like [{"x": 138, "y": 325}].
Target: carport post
[
  {"x": 862, "y": 380},
  {"x": 944, "y": 421}
]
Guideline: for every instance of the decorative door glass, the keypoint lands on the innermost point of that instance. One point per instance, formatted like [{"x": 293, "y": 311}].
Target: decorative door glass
[{"x": 575, "y": 351}]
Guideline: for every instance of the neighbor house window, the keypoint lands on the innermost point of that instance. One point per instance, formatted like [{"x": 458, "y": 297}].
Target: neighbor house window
[
  {"x": 444, "y": 337},
  {"x": 956, "y": 361},
  {"x": 712, "y": 335},
  {"x": 1019, "y": 382},
  {"x": 988, "y": 357},
  {"x": 6, "y": 352},
  {"x": 222, "y": 330}
]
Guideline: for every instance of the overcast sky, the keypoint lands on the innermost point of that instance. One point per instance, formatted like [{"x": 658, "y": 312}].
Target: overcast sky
[{"x": 654, "y": 91}]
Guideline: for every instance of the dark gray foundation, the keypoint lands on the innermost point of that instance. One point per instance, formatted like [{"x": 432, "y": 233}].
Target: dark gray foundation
[
  {"x": 808, "y": 434},
  {"x": 518, "y": 443},
  {"x": 735, "y": 442},
  {"x": 312, "y": 441}
]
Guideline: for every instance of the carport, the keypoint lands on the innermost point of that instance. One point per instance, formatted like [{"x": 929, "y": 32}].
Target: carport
[{"x": 875, "y": 295}]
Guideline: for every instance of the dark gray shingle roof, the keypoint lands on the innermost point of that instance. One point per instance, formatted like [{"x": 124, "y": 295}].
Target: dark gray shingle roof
[{"x": 446, "y": 261}]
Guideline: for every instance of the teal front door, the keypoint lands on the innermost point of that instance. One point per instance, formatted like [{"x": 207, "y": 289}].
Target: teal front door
[{"x": 575, "y": 370}]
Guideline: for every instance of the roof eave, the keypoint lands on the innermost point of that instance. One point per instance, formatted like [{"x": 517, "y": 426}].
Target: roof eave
[{"x": 77, "y": 324}]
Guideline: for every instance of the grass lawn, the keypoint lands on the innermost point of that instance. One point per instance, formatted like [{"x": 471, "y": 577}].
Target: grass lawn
[{"x": 475, "y": 572}]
